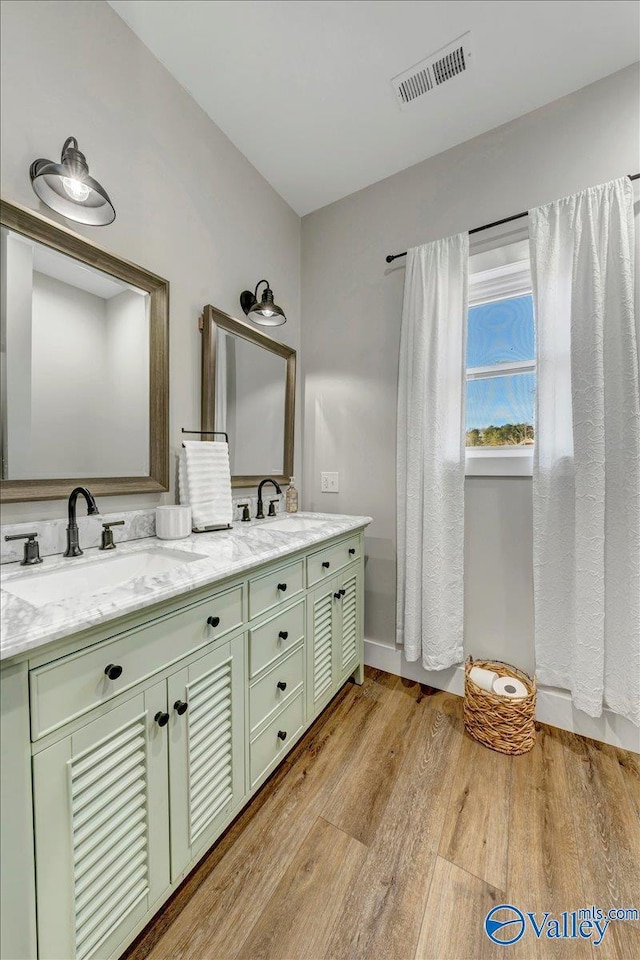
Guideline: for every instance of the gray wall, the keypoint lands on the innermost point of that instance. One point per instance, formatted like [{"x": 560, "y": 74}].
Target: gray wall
[
  {"x": 351, "y": 302},
  {"x": 190, "y": 207}
]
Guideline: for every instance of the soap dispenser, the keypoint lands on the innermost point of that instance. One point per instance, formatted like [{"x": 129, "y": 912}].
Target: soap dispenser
[{"x": 291, "y": 498}]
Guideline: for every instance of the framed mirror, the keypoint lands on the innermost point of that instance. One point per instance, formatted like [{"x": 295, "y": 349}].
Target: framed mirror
[
  {"x": 85, "y": 365},
  {"x": 248, "y": 392}
]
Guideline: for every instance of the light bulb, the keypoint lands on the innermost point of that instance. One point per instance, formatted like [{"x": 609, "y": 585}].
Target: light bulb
[{"x": 75, "y": 189}]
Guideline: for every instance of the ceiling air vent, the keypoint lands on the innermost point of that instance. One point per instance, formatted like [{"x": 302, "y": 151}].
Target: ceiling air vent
[{"x": 441, "y": 66}]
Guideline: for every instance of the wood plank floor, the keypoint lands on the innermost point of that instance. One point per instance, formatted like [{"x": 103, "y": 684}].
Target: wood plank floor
[{"x": 388, "y": 833}]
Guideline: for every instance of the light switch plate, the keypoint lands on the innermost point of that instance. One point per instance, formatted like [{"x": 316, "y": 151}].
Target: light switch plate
[{"x": 329, "y": 482}]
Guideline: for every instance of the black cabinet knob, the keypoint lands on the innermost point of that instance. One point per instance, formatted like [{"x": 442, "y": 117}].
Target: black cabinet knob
[
  {"x": 113, "y": 670},
  {"x": 283, "y": 634},
  {"x": 180, "y": 707},
  {"x": 162, "y": 719},
  {"x": 282, "y": 586},
  {"x": 213, "y": 621},
  {"x": 282, "y": 734},
  {"x": 352, "y": 551},
  {"x": 326, "y": 564},
  {"x": 282, "y": 685},
  {"x": 338, "y": 596},
  {"x": 342, "y": 592}
]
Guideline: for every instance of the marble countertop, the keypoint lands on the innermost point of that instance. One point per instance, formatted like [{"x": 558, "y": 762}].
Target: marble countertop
[{"x": 224, "y": 554}]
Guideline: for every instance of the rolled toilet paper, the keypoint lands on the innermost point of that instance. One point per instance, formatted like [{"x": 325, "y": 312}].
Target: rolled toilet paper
[
  {"x": 510, "y": 687},
  {"x": 483, "y": 678}
]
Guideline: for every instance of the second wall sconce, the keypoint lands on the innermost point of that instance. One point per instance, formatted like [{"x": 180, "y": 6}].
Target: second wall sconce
[
  {"x": 266, "y": 313},
  {"x": 68, "y": 189}
]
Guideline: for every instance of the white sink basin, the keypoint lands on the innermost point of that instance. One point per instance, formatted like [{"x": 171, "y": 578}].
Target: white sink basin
[
  {"x": 294, "y": 524},
  {"x": 95, "y": 576}
]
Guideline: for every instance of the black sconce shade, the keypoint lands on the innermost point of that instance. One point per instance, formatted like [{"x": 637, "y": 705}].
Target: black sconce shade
[
  {"x": 266, "y": 313},
  {"x": 67, "y": 187}
]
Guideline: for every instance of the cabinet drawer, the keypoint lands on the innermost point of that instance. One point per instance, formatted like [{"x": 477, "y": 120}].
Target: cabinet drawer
[
  {"x": 267, "y": 746},
  {"x": 273, "y": 638},
  {"x": 325, "y": 563},
  {"x": 273, "y": 589},
  {"x": 72, "y": 685},
  {"x": 275, "y": 687}
]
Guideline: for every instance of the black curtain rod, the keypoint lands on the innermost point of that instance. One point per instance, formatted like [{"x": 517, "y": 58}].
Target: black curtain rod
[{"x": 496, "y": 223}]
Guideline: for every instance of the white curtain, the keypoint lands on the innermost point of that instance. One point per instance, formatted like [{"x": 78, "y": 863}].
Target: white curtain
[
  {"x": 430, "y": 465},
  {"x": 586, "y": 482}
]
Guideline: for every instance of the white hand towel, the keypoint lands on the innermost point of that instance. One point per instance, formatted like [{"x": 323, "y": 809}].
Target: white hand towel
[{"x": 205, "y": 483}]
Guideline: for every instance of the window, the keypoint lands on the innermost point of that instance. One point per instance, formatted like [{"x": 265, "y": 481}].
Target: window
[{"x": 501, "y": 372}]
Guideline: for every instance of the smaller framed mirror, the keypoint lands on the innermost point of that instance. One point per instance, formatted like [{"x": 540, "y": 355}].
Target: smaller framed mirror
[
  {"x": 248, "y": 392},
  {"x": 84, "y": 339}
]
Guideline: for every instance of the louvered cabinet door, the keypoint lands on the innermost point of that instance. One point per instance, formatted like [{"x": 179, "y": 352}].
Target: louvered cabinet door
[
  {"x": 321, "y": 661},
  {"x": 206, "y": 749},
  {"x": 349, "y": 635},
  {"x": 101, "y": 830}
]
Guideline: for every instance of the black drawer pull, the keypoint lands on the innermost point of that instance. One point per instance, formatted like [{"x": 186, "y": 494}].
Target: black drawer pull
[
  {"x": 326, "y": 564},
  {"x": 283, "y": 634},
  {"x": 213, "y": 621},
  {"x": 352, "y": 551},
  {"x": 113, "y": 670},
  {"x": 342, "y": 592},
  {"x": 180, "y": 707},
  {"x": 338, "y": 595},
  {"x": 162, "y": 719},
  {"x": 282, "y": 586},
  {"x": 282, "y": 685},
  {"x": 282, "y": 734}
]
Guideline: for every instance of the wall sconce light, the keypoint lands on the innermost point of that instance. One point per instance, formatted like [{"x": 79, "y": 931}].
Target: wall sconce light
[
  {"x": 67, "y": 187},
  {"x": 266, "y": 313}
]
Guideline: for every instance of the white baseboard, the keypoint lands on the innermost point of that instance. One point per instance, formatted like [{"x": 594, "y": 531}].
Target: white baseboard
[
  {"x": 553, "y": 706},
  {"x": 392, "y": 660}
]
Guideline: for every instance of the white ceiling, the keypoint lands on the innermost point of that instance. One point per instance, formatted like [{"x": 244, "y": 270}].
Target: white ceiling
[{"x": 302, "y": 88}]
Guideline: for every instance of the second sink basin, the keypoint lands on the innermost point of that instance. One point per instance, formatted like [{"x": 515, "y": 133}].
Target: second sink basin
[{"x": 95, "y": 575}]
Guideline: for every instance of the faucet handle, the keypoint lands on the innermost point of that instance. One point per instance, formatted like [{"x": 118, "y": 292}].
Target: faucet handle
[
  {"x": 31, "y": 548},
  {"x": 107, "y": 542},
  {"x": 272, "y": 509},
  {"x": 246, "y": 515}
]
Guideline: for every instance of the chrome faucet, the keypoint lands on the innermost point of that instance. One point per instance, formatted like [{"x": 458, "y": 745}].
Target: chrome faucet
[
  {"x": 260, "y": 511},
  {"x": 73, "y": 543}
]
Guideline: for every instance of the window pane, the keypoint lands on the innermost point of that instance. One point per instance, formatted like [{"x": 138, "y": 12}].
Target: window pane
[
  {"x": 500, "y": 332},
  {"x": 500, "y": 410}
]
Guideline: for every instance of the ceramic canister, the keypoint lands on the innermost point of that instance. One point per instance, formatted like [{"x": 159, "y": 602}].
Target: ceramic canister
[{"x": 173, "y": 522}]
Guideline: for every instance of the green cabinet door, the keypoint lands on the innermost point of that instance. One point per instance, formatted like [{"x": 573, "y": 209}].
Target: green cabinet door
[
  {"x": 322, "y": 613},
  {"x": 206, "y": 749},
  {"x": 335, "y": 636},
  {"x": 349, "y": 634},
  {"x": 101, "y": 829}
]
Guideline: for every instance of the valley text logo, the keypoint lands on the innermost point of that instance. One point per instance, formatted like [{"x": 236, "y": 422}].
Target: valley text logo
[{"x": 507, "y": 924}]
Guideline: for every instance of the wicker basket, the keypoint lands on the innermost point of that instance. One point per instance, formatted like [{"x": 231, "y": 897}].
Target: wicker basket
[{"x": 499, "y": 723}]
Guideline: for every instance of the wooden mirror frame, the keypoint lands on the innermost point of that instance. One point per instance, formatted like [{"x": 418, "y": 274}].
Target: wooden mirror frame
[
  {"x": 214, "y": 320},
  {"x": 33, "y": 225}
]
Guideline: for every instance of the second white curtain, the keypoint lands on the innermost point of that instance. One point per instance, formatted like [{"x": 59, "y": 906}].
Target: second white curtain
[
  {"x": 586, "y": 483},
  {"x": 430, "y": 464}
]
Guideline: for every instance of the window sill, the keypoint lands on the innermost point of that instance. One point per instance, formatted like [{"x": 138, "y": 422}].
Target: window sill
[{"x": 499, "y": 462}]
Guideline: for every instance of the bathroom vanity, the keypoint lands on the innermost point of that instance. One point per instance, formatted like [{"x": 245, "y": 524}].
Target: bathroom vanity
[{"x": 145, "y": 700}]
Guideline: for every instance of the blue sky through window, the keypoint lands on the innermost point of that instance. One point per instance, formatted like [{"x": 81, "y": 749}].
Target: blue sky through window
[
  {"x": 501, "y": 332},
  {"x": 499, "y": 400}
]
